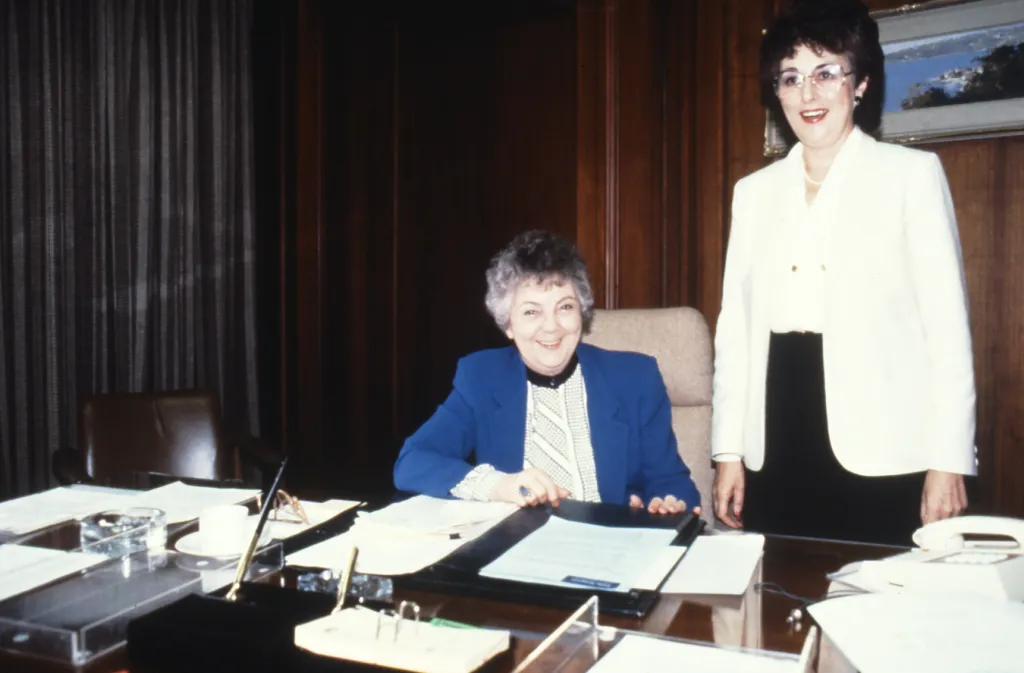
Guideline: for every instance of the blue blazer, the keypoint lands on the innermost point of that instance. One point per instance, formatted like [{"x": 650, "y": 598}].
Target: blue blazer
[{"x": 627, "y": 406}]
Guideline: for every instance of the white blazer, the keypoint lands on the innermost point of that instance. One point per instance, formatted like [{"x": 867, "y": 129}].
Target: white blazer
[{"x": 899, "y": 373}]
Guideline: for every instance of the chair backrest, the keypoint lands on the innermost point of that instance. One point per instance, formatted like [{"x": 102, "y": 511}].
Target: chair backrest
[
  {"x": 679, "y": 339},
  {"x": 124, "y": 435}
]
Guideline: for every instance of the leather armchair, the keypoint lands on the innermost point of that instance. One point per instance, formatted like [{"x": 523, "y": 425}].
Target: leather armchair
[
  {"x": 126, "y": 438},
  {"x": 680, "y": 340}
]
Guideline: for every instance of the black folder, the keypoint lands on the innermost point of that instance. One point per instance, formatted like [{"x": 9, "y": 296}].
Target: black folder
[{"x": 459, "y": 573}]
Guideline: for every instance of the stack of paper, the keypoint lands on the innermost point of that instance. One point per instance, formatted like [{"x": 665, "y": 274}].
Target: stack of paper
[
  {"x": 361, "y": 635},
  {"x": 890, "y": 633},
  {"x": 407, "y": 536},
  {"x": 714, "y": 565},
  {"x": 183, "y": 502},
  {"x": 37, "y": 511}
]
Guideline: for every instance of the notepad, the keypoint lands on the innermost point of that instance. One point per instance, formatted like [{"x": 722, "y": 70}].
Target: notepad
[{"x": 358, "y": 634}]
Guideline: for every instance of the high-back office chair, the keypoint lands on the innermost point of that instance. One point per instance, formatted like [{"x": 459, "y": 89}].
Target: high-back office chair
[
  {"x": 124, "y": 438},
  {"x": 679, "y": 339}
]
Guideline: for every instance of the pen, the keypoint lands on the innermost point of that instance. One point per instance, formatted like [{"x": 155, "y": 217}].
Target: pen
[
  {"x": 346, "y": 579},
  {"x": 243, "y": 563}
]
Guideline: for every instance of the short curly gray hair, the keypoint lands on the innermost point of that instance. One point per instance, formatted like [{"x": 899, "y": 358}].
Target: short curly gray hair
[{"x": 541, "y": 257}]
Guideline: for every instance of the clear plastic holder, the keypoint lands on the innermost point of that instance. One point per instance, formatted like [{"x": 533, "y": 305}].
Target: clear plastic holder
[
  {"x": 76, "y": 604},
  {"x": 580, "y": 642},
  {"x": 572, "y": 647}
]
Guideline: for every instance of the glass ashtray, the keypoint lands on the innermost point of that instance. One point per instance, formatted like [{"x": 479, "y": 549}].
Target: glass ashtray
[{"x": 121, "y": 532}]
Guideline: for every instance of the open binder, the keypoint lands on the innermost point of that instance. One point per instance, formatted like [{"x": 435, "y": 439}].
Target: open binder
[
  {"x": 396, "y": 642},
  {"x": 459, "y": 573}
]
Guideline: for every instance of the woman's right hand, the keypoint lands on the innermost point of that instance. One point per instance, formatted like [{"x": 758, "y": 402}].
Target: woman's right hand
[
  {"x": 729, "y": 482},
  {"x": 528, "y": 488}
]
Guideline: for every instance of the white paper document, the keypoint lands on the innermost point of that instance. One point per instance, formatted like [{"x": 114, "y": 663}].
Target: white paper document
[
  {"x": 183, "y": 502},
  {"x": 377, "y": 556},
  {"x": 23, "y": 568},
  {"x": 57, "y": 505},
  {"x": 581, "y": 555},
  {"x": 405, "y": 537},
  {"x": 717, "y": 565},
  {"x": 637, "y": 654},
  {"x": 889, "y": 633},
  {"x": 424, "y": 514},
  {"x": 660, "y": 566}
]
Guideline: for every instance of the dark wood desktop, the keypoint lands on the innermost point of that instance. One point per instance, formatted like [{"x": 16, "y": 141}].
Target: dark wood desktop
[{"x": 758, "y": 619}]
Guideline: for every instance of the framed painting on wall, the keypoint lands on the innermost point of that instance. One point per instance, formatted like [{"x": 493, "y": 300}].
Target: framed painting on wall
[{"x": 953, "y": 69}]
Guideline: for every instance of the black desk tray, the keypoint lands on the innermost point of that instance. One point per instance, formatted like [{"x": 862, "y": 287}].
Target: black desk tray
[
  {"x": 459, "y": 572},
  {"x": 209, "y": 634}
]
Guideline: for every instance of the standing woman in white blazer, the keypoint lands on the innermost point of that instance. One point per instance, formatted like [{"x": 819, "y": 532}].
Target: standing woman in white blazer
[{"x": 844, "y": 400}]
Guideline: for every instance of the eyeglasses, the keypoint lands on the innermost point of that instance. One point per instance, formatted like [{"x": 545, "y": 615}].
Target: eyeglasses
[
  {"x": 827, "y": 79},
  {"x": 286, "y": 508}
]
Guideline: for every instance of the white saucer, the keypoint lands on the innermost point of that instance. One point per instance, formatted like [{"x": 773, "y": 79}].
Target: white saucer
[{"x": 192, "y": 545}]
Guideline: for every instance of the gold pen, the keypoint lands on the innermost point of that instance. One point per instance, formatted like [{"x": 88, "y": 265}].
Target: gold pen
[
  {"x": 246, "y": 560},
  {"x": 346, "y": 579}
]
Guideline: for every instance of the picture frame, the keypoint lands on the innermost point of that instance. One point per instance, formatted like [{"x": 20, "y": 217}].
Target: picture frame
[{"x": 945, "y": 74}]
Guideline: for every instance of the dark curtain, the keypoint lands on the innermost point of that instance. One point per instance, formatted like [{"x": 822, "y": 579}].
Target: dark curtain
[{"x": 126, "y": 213}]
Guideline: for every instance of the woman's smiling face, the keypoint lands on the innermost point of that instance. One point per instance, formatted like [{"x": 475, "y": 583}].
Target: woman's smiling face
[{"x": 545, "y": 324}]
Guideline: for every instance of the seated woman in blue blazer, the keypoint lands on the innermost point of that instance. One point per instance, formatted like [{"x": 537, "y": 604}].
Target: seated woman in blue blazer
[{"x": 549, "y": 417}]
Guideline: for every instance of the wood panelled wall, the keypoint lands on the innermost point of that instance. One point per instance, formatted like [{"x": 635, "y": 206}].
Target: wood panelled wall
[{"x": 415, "y": 143}]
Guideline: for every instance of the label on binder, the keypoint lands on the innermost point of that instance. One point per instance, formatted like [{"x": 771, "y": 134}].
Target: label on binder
[{"x": 587, "y": 582}]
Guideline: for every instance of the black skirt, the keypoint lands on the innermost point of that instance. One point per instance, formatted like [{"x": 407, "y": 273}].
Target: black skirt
[{"x": 802, "y": 489}]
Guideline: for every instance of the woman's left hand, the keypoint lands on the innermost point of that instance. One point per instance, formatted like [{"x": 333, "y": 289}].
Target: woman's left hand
[
  {"x": 667, "y": 505},
  {"x": 944, "y": 496}
]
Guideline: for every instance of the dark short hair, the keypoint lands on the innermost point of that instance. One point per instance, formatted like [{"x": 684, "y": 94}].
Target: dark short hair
[
  {"x": 541, "y": 257},
  {"x": 836, "y": 26}
]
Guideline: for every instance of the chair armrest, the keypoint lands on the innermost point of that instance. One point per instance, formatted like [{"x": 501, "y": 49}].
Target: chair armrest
[
  {"x": 69, "y": 467},
  {"x": 256, "y": 454}
]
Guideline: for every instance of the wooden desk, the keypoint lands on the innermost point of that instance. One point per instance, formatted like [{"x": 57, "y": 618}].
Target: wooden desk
[{"x": 757, "y": 619}]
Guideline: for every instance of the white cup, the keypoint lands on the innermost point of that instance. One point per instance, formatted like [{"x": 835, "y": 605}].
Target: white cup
[{"x": 223, "y": 529}]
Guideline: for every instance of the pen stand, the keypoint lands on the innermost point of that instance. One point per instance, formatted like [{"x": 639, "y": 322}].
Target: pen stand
[{"x": 207, "y": 632}]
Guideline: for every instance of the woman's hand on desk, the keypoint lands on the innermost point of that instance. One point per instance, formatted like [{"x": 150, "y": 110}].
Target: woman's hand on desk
[
  {"x": 944, "y": 496},
  {"x": 667, "y": 505},
  {"x": 528, "y": 488}
]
